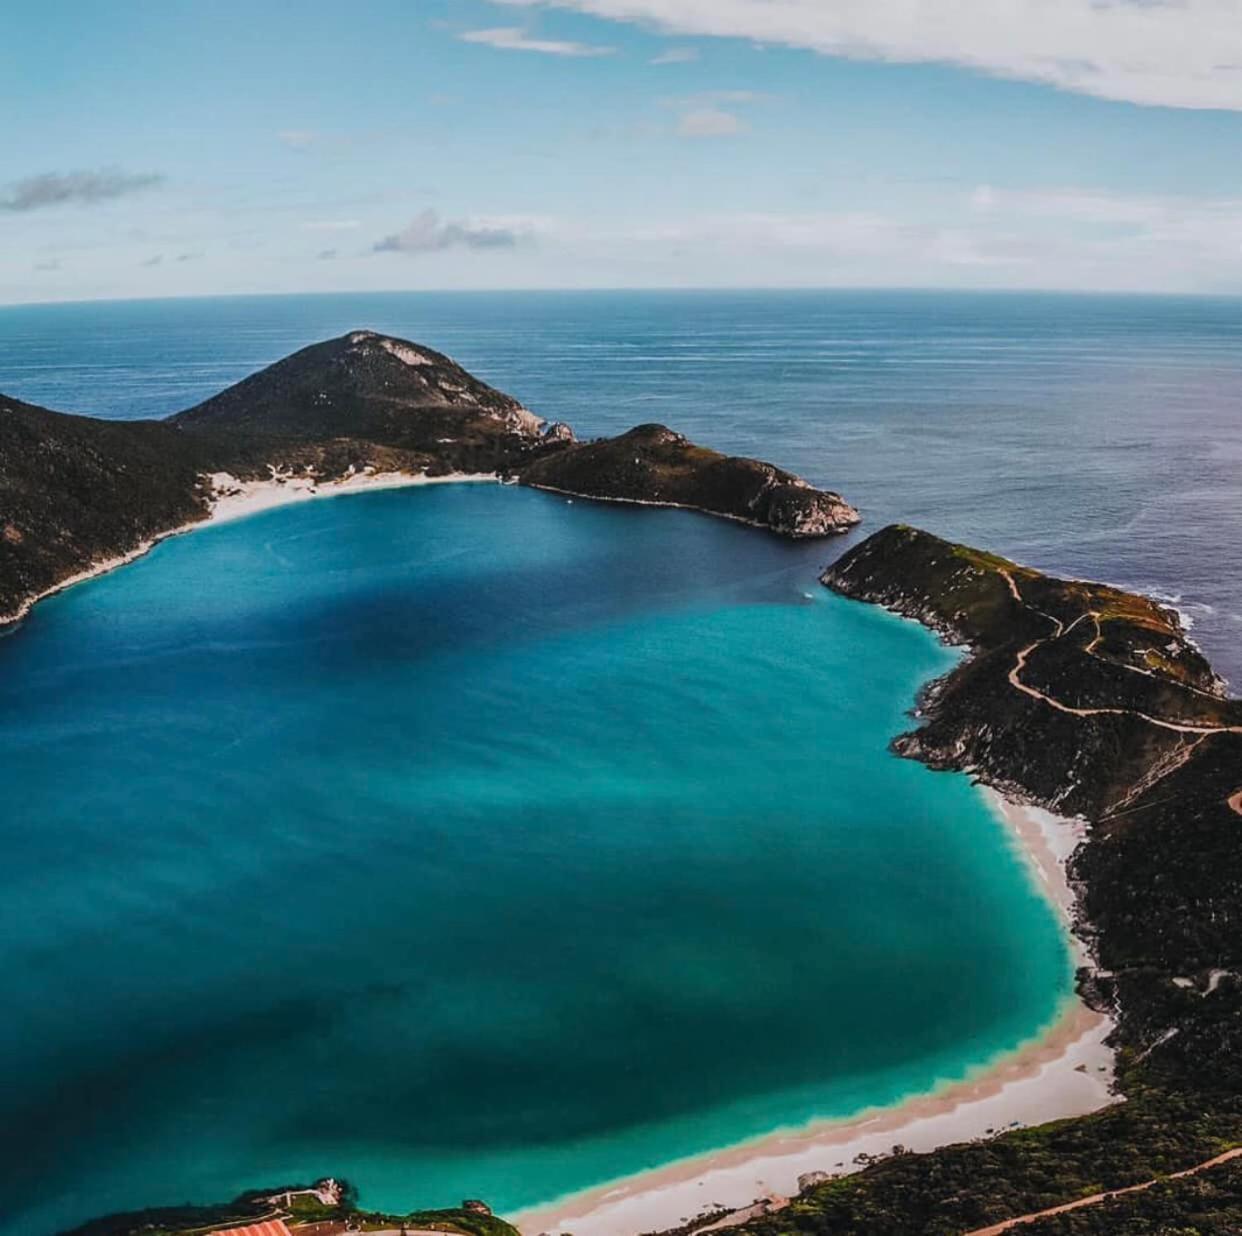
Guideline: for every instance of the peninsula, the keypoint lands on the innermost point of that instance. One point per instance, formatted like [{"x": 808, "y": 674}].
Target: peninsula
[
  {"x": 654, "y": 466},
  {"x": 79, "y": 495}
]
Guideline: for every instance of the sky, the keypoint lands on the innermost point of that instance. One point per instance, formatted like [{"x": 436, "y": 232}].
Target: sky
[{"x": 177, "y": 148}]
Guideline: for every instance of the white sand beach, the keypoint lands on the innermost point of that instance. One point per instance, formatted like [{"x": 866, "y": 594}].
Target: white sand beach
[
  {"x": 236, "y": 499},
  {"x": 1066, "y": 1071}
]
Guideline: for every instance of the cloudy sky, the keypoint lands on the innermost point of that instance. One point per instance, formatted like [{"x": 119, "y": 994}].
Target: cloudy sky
[{"x": 171, "y": 147}]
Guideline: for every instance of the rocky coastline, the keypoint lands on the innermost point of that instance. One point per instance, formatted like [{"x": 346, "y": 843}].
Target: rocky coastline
[
  {"x": 79, "y": 495},
  {"x": 653, "y": 466}
]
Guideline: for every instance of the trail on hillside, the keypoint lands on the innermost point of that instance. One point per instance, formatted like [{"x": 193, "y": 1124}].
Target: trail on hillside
[
  {"x": 1096, "y": 1198},
  {"x": 1059, "y": 629}
]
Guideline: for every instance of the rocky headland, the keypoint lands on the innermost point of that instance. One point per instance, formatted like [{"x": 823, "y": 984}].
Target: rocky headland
[
  {"x": 654, "y": 466},
  {"x": 78, "y": 494}
]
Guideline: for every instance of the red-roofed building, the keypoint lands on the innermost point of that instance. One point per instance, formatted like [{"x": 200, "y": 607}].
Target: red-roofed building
[{"x": 271, "y": 1227}]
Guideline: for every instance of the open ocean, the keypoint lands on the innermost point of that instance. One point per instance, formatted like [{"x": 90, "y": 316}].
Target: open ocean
[{"x": 465, "y": 841}]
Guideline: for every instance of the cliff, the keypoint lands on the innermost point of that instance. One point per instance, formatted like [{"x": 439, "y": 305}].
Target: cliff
[{"x": 655, "y": 466}]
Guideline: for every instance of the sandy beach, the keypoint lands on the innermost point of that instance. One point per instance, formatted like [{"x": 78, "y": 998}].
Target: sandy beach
[
  {"x": 1066, "y": 1071},
  {"x": 233, "y": 499},
  {"x": 236, "y": 499}
]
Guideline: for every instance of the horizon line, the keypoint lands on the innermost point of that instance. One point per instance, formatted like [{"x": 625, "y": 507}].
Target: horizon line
[{"x": 688, "y": 289}]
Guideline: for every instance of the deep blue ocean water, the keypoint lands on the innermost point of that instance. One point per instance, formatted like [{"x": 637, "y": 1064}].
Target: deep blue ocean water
[{"x": 466, "y": 841}]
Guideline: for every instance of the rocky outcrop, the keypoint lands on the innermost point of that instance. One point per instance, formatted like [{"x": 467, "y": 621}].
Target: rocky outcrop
[{"x": 653, "y": 465}]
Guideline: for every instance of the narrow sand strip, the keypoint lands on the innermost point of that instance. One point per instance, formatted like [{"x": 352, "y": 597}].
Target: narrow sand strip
[
  {"x": 234, "y": 499},
  {"x": 1064, "y": 1072}
]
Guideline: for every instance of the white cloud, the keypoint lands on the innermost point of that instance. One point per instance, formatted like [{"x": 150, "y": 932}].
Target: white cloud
[
  {"x": 709, "y": 122},
  {"x": 1173, "y": 53},
  {"x": 1098, "y": 206},
  {"x": 514, "y": 38},
  {"x": 332, "y": 225},
  {"x": 676, "y": 55},
  {"x": 703, "y": 116},
  {"x": 428, "y": 233},
  {"x": 1071, "y": 237}
]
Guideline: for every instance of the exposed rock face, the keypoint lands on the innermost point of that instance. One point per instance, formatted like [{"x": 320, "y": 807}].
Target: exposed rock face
[{"x": 652, "y": 464}]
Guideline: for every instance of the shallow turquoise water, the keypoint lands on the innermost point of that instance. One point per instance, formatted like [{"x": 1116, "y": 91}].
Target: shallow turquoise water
[{"x": 467, "y": 842}]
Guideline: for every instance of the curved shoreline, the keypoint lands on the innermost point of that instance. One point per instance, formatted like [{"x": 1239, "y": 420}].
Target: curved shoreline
[
  {"x": 675, "y": 506},
  {"x": 1064, "y": 1070},
  {"x": 244, "y": 499}
]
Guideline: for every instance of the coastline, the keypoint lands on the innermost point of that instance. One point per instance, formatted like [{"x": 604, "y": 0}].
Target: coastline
[
  {"x": 1065, "y": 1070},
  {"x": 233, "y": 499},
  {"x": 680, "y": 506}
]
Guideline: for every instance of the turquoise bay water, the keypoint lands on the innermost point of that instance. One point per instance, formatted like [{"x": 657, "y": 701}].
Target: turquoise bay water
[{"x": 468, "y": 842}]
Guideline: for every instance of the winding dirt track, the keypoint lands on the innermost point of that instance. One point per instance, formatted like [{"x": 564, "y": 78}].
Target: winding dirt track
[
  {"x": 1235, "y": 804},
  {"x": 1060, "y": 629},
  {"x": 1096, "y": 1198}
]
